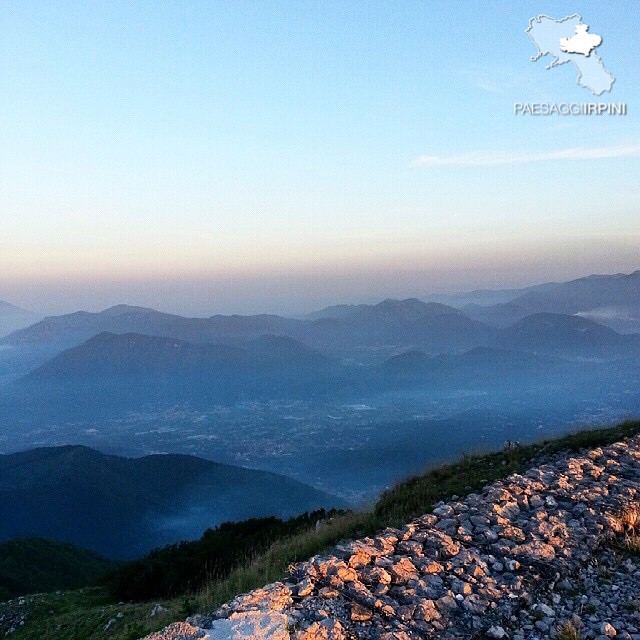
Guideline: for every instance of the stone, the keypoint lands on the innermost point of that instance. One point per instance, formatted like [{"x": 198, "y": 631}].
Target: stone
[
  {"x": 460, "y": 587},
  {"x": 546, "y": 610},
  {"x": 426, "y": 610},
  {"x": 360, "y": 613},
  {"x": 324, "y": 630},
  {"x": 431, "y": 567},
  {"x": 446, "y": 603},
  {"x": 443, "y": 511},
  {"x": 536, "y": 502},
  {"x": 343, "y": 572},
  {"x": 157, "y": 609},
  {"x": 304, "y": 588},
  {"x": 402, "y": 571},
  {"x": 273, "y": 597},
  {"x": 538, "y": 551},
  {"x": 250, "y": 624},
  {"x": 178, "y": 631},
  {"x": 359, "y": 559}
]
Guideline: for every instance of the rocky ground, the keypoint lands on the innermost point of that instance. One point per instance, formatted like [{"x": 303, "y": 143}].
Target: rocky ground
[
  {"x": 15, "y": 613},
  {"x": 533, "y": 556}
]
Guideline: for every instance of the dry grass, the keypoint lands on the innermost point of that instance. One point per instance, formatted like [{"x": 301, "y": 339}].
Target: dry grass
[
  {"x": 568, "y": 632},
  {"x": 631, "y": 544},
  {"x": 631, "y": 519},
  {"x": 626, "y": 530}
]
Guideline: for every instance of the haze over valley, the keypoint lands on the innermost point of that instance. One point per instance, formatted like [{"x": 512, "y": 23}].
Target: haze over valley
[{"x": 347, "y": 400}]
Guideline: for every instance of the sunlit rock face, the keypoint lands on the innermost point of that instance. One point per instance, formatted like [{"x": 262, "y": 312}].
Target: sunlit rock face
[{"x": 532, "y": 550}]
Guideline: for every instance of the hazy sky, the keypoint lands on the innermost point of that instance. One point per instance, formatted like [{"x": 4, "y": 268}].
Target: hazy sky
[{"x": 245, "y": 156}]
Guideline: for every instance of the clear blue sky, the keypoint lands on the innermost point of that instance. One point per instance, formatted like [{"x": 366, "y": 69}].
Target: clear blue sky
[{"x": 242, "y": 156}]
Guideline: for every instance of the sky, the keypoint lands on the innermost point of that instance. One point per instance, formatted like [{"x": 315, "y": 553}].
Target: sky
[{"x": 218, "y": 157}]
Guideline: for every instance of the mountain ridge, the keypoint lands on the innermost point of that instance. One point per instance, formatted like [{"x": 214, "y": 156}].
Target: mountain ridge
[
  {"x": 122, "y": 507},
  {"x": 617, "y": 295}
]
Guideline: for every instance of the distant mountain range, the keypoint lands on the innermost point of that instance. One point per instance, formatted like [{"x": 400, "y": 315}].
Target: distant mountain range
[
  {"x": 568, "y": 336},
  {"x": 432, "y": 326},
  {"x": 610, "y": 300},
  {"x": 369, "y": 333},
  {"x": 25, "y": 349},
  {"x": 13, "y": 318},
  {"x": 484, "y": 297},
  {"x": 352, "y": 387},
  {"x": 86, "y": 366},
  {"x": 584, "y": 294},
  {"x": 439, "y": 327},
  {"x": 70, "y": 330},
  {"x": 111, "y": 375},
  {"x": 388, "y": 310},
  {"x": 123, "y": 507}
]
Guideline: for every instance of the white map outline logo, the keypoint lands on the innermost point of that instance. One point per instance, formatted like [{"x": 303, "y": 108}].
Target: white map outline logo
[{"x": 569, "y": 40}]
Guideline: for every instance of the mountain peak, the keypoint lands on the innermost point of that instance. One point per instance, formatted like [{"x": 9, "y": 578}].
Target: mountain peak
[
  {"x": 400, "y": 302},
  {"x": 123, "y": 309},
  {"x": 12, "y": 308},
  {"x": 409, "y": 309}
]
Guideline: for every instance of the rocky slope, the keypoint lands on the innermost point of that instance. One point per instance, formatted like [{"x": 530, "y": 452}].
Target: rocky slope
[{"x": 528, "y": 556}]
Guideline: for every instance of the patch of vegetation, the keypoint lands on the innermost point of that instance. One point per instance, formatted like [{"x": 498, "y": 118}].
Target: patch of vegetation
[
  {"x": 186, "y": 566},
  {"x": 626, "y": 531},
  {"x": 568, "y": 632},
  {"x": 628, "y": 545},
  {"x": 632, "y": 544},
  {"x": 33, "y": 565},
  {"x": 272, "y": 565},
  {"x": 88, "y": 614}
]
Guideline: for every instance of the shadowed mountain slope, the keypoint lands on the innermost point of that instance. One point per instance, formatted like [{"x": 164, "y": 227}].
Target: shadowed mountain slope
[
  {"x": 122, "y": 507},
  {"x": 111, "y": 374},
  {"x": 35, "y": 565}
]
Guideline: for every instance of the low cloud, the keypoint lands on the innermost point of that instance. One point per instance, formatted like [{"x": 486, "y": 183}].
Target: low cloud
[{"x": 494, "y": 159}]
